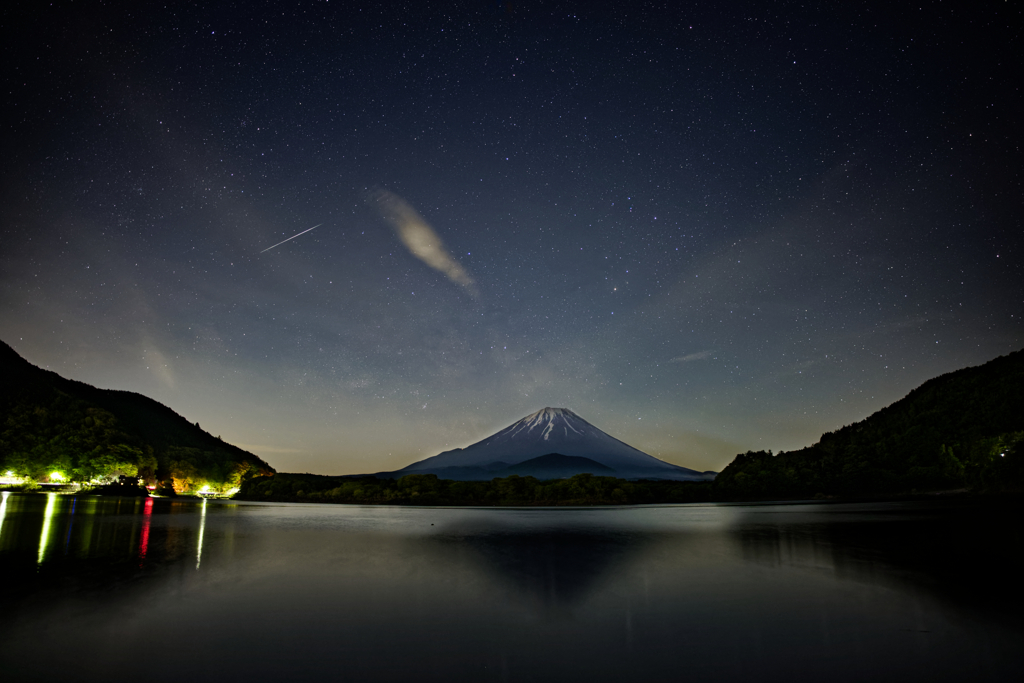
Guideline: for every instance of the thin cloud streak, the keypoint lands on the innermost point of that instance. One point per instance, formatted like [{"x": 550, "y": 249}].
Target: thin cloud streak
[{"x": 700, "y": 355}]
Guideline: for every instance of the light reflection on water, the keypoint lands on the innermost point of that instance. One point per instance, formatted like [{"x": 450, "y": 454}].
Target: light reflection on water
[
  {"x": 719, "y": 593},
  {"x": 146, "y": 520},
  {"x": 59, "y": 527},
  {"x": 3, "y": 509},
  {"x": 202, "y": 528},
  {"x": 44, "y": 537}
]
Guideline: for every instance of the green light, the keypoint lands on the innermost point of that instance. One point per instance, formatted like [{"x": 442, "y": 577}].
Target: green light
[
  {"x": 202, "y": 527},
  {"x": 51, "y": 503},
  {"x": 3, "y": 509}
]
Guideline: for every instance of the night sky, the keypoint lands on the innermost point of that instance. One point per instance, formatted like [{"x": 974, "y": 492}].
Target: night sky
[{"x": 703, "y": 229}]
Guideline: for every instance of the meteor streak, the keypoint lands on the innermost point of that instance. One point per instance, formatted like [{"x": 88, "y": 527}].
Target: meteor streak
[{"x": 293, "y": 237}]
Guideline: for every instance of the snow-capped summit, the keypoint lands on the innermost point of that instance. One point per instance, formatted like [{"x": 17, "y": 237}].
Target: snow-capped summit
[
  {"x": 548, "y": 423},
  {"x": 548, "y": 431}
]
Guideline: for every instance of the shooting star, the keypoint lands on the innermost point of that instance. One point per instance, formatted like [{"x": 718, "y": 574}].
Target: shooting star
[{"x": 292, "y": 237}]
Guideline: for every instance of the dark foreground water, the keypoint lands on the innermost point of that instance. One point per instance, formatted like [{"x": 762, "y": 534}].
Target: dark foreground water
[{"x": 159, "y": 590}]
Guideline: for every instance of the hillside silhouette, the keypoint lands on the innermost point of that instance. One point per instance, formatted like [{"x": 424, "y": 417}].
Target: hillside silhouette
[
  {"x": 960, "y": 430},
  {"x": 52, "y": 424}
]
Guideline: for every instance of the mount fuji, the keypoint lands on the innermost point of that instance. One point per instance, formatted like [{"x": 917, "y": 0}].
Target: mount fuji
[{"x": 549, "y": 444}]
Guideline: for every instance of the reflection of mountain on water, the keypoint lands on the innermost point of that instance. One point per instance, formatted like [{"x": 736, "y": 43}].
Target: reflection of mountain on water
[
  {"x": 939, "y": 549},
  {"x": 550, "y": 571}
]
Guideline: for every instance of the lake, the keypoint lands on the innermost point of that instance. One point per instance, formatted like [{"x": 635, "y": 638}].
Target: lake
[{"x": 100, "y": 589}]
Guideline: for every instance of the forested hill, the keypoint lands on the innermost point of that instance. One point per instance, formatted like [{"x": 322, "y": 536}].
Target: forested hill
[
  {"x": 962, "y": 429},
  {"x": 52, "y": 424}
]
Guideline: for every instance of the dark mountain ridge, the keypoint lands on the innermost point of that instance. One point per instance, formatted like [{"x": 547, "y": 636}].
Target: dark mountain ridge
[
  {"x": 961, "y": 429},
  {"x": 51, "y": 423}
]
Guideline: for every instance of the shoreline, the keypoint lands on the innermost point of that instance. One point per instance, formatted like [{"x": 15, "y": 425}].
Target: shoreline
[
  {"x": 957, "y": 495},
  {"x": 951, "y": 495}
]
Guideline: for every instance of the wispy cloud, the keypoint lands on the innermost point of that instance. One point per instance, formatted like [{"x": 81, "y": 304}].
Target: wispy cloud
[
  {"x": 700, "y": 355},
  {"x": 419, "y": 238}
]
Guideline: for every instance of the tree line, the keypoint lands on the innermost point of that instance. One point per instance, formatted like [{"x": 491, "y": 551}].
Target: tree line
[{"x": 428, "y": 489}]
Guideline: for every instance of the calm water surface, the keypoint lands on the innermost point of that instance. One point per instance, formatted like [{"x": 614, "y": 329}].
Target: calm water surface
[{"x": 111, "y": 588}]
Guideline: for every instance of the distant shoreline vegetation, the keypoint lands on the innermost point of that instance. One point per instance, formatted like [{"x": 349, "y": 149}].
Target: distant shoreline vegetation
[{"x": 428, "y": 489}]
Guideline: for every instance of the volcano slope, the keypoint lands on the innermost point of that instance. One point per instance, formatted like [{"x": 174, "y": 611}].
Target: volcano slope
[{"x": 549, "y": 444}]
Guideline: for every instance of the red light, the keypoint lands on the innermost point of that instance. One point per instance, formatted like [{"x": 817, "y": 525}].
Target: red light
[{"x": 144, "y": 539}]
